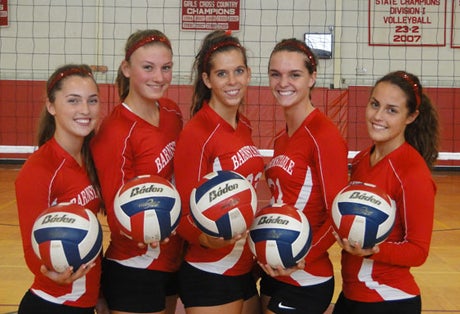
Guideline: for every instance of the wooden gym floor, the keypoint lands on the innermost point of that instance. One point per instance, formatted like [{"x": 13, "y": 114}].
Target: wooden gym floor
[{"x": 439, "y": 277}]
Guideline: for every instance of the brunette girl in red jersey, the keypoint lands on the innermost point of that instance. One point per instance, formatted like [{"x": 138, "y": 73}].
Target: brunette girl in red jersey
[
  {"x": 137, "y": 139},
  {"x": 403, "y": 124},
  {"x": 216, "y": 275},
  {"x": 61, "y": 170},
  {"x": 317, "y": 154}
]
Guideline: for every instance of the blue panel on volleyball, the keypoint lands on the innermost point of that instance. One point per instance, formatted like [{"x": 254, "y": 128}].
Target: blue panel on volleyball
[
  {"x": 59, "y": 233},
  {"x": 224, "y": 226},
  {"x": 274, "y": 234},
  {"x": 372, "y": 213}
]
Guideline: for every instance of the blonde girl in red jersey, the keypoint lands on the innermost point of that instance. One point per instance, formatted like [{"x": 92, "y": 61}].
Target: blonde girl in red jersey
[
  {"x": 61, "y": 170},
  {"x": 403, "y": 125},
  {"x": 137, "y": 138},
  {"x": 318, "y": 170},
  {"x": 216, "y": 275}
]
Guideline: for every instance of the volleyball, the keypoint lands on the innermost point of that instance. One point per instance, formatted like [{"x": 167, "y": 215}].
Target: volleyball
[
  {"x": 66, "y": 235},
  {"x": 147, "y": 208},
  {"x": 280, "y": 235},
  {"x": 363, "y": 213},
  {"x": 223, "y": 204}
]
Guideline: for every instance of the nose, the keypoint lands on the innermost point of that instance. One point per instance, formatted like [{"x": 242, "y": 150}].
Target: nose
[
  {"x": 231, "y": 78},
  {"x": 157, "y": 75},
  {"x": 84, "y": 108},
  {"x": 379, "y": 113},
  {"x": 284, "y": 80}
]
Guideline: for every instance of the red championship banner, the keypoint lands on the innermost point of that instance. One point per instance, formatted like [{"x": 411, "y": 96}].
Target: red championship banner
[
  {"x": 210, "y": 15},
  {"x": 3, "y": 12},
  {"x": 455, "y": 31},
  {"x": 407, "y": 22}
]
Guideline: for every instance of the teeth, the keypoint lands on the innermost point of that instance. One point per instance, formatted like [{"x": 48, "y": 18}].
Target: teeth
[
  {"x": 286, "y": 93},
  {"x": 378, "y": 127},
  {"x": 83, "y": 121},
  {"x": 232, "y": 92}
]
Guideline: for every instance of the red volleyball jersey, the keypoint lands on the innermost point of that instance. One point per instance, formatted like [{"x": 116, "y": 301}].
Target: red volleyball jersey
[
  {"x": 405, "y": 177},
  {"x": 51, "y": 176},
  {"x": 307, "y": 171},
  {"x": 208, "y": 143},
  {"x": 127, "y": 146}
]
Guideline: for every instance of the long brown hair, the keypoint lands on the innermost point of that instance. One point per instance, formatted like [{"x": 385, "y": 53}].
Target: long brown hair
[
  {"x": 423, "y": 133},
  {"x": 47, "y": 122}
]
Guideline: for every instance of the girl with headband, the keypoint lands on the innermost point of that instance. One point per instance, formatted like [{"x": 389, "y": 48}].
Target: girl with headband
[
  {"x": 61, "y": 171},
  {"x": 139, "y": 278},
  {"x": 314, "y": 146},
  {"x": 216, "y": 275},
  {"x": 403, "y": 125}
]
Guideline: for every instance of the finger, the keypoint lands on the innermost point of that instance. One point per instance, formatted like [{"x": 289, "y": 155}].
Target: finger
[
  {"x": 271, "y": 271},
  {"x": 43, "y": 269},
  {"x": 301, "y": 264},
  {"x": 154, "y": 245}
]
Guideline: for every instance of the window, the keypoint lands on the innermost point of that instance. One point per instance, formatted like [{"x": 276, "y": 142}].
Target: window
[{"x": 320, "y": 43}]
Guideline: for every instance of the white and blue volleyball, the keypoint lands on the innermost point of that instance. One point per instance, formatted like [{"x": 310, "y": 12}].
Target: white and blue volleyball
[
  {"x": 223, "y": 204},
  {"x": 364, "y": 214},
  {"x": 147, "y": 208},
  {"x": 280, "y": 236},
  {"x": 66, "y": 235}
]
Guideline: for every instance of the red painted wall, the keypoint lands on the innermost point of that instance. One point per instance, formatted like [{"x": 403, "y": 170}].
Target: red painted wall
[{"x": 22, "y": 101}]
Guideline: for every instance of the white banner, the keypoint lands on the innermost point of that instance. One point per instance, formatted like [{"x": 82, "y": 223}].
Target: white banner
[{"x": 407, "y": 22}]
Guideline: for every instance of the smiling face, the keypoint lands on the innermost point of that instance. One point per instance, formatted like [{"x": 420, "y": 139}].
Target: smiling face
[
  {"x": 290, "y": 80},
  {"x": 149, "y": 71},
  {"x": 387, "y": 116},
  {"x": 76, "y": 109},
  {"x": 228, "y": 80}
]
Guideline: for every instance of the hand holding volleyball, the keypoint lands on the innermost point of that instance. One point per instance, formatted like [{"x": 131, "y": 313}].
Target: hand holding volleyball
[
  {"x": 364, "y": 214},
  {"x": 66, "y": 235}
]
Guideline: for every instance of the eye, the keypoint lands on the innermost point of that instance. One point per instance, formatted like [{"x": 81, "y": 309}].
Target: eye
[
  {"x": 73, "y": 100},
  {"x": 221, "y": 73},
  {"x": 147, "y": 67},
  {"x": 274, "y": 74},
  {"x": 93, "y": 101},
  {"x": 373, "y": 104},
  {"x": 392, "y": 110},
  {"x": 166, "y": 68},
  {"x": 240, "y": 70}
]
